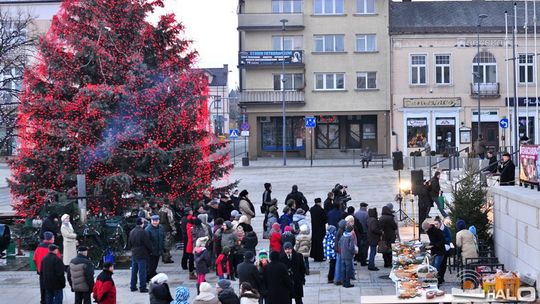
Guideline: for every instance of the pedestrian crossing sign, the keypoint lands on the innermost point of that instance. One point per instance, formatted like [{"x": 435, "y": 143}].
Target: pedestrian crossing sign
[{"x": 233, "y": 133}]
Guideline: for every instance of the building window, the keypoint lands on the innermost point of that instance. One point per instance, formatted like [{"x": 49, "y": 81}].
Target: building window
[
  {"x": 329, "y": 43},
  {"x": 287, "y": 43},
  {"x": 292, "y": 82},
  {"x": 366, "y": 80},
  {"x": 488, "y": 68},
  {"x": 10, "y": 80},
  {"x": 328, "y": 7},
  {"x": 286, "y": 6},
  {"x": 526, "y": 68},
  {"x": 217, "y": 103},
  {"x": 442, "y": 69},
  {"x": 418, "y": 69},
  {"x": 417, "y": 129},
  {"x": 366, "y": 43},
  {"x": 272, "y": 140},
  {"x": 329, "y": 81},
  {"x": 365, "y": 6}
]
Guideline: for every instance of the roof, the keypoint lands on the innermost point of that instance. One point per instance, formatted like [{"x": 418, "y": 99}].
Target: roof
[
  {"x": 219, "y": 76},
  {"x": 456, "y": 16}
]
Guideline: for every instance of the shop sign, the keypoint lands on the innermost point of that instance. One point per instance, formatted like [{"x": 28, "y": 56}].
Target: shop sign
[
  {"x": 432, "y": 102},
  {"x": 445, "y": 122},
  {"x": 416, "y": 122},
  {"x": 522, "y": 101},
  {"x": 271, "y": 57}
]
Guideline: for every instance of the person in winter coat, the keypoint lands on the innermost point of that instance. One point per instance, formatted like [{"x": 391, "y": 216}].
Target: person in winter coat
[
  {"x": 246, "y": 207},
  {"x": 206, "y": 296},
  {"x": 181, "y": 296},
  {"x": 294, "y": 262},
  {"x": 329, "y": 251},
  {"x": 286, "y": 218},
  {"x": 447, "y": 242},
  {"x": 275, "y": 238},
  {"x": 156, "y": 233},
  {"x": 299, "y": 219},
  {"x": 81, "y": 276},
  {"x": 248, "y": 294},
  {"x": 329, "y": 202},
  {"x": 159, "y": 289},
  {"x": 424, "y": 204},
  {"x": 248, "y": 272},
  {"x": 41, "y": 251},
  {"x": 50, "y": 224},
  {"x": 361, "y": 217},
  {"x": 303, "y": 245},
  {"x": 366, "y": 157},
  {"x": 52, "y": 272},
  {"x": 466, "y": 241},
  {"x": 187, "y": 256},
  {"x": 203, "y": 260},
  {"x": 272, "y": 217},
  {"x": 278, "y": 283},
  {"x": 140, "y": 244},
  {"x": 225, "y": 207},
  {"x": 436, "y": 243},
  {"x": 339, "y": 234},
  {"x": 508, "y": 171},
  {"x": 267, "y": 202},
  {"x": 318, "y": 223},
  {"x": 335, "y": 215},
  {"x": 244, "y": 223},
  {"x": 374, "y": 235},
  {"x": 69, "y": 238},
  {"x": 347, "y": 250},
  {"x": 389, "y": 227},
  {"x": 230, "y": 239},
  {"x": 249, "y": 242},
  {"x": 166, "y": 220},
  {"x": 288, "y": 236},
  {"x": 298, "y": 197},
  {"x": 223, "y": 264},
  {"x": 104, "y": 291},
  {"x": 435, "y": 189},
  {"x": 226, "y": 293}
]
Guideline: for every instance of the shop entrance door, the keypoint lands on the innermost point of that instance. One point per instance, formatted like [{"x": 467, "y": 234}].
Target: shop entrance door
[
  {"x": 354, "y": 135},
  {"x": 490, "y": 133},
  {"x": 445, "y": 133}
]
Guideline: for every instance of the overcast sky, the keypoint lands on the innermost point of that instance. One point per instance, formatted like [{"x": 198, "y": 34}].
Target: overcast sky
[{"x": 211, "y": 24}]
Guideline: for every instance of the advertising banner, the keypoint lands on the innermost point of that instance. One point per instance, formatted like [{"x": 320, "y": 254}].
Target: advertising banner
[
  {"x": 271, "y": 57},
  {"x": 529, "y": 163}
]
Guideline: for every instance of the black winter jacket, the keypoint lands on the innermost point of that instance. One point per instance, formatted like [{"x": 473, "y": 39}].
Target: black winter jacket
[
  {"x": 227, "y": 296},
  {"x": 248, "y": 272},
  {"x": 388, "y": 225},
  {"x": 374, "y": 229},
  {"x": 250, "y": 241},
  {"x": 160, "y": 293},
  {"x": 52, "y": 272},
  {"x": 140, "y": 244},
  {"x": 436, "y": 239}
]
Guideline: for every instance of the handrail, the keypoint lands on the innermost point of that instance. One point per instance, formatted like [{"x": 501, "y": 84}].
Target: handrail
[
  {"x": 449, "y": 158},
  {"x": 479, "y": 171},
  {"x": 418, "y": 151}
]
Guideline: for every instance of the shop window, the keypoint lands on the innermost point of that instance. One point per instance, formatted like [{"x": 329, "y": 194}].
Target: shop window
[
  {"x": 523, "y": 127},
  {"x": 272, "y": 134},
  {"x": 369, "y": 131},
  {"x": 417, "y": 130},
  {"x": 327, "y": 136}
]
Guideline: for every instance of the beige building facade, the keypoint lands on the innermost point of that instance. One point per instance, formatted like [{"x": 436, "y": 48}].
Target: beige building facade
[
  {"x": 434, "y": 79},
  {"x": 336, "y": 69}
]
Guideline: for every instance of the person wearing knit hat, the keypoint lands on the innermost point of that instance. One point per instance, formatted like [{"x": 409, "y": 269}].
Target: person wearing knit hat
[
  {"x": 248, "y": 272},
  {"x": 206, "y": 296},
  {"x": 294, "y": 262},
  {"x": 223, "y": 264},
  {"x": 303, "y": 245},
  {"x": 347, "y": 245},
  {"x": 225, "y": 292},
  {"x": 203, "y": 260},
  {"x": 288, "y": 236},
  {"x": 275, "y": 238},
  {"x": 181, "y": 295},
  {"x": 159, "y": 289}
]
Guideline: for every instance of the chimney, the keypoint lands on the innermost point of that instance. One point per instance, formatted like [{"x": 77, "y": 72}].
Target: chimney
[{"x": 226, "y": 67}]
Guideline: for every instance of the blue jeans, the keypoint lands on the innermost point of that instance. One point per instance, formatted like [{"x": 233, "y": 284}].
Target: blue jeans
[
  {"x": 54, "y": 296},
  {"x": 347, "y": 271},
  {"x": 337, "y": 275},
  {"x": 372, "y": 253},
  {"x": 437, "y": 261},
  {"x": 138, "y": 266},
  {"x": 441, "y": 209}
]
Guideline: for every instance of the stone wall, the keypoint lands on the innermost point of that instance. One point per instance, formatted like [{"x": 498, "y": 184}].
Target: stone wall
[{"x": 517, "y": 228}]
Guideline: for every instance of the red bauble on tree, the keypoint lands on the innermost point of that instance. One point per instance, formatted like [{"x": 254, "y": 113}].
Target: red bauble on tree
[{"x": 114, "y": 97}]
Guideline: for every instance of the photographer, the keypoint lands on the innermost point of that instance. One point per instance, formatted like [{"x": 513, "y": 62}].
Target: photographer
[{"x": 341, "y": 196}]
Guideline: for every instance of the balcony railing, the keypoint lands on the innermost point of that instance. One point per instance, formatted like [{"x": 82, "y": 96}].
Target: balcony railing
[
  {"x": 271, "y": 97},
  {"x": 270, "y": 21},
  {"x": 487, "y": 90}
]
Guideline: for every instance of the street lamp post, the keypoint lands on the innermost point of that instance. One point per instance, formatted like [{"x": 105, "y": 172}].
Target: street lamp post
[
  {"x": 478, "y": 74},
  {"x": 284, "y": 128}
]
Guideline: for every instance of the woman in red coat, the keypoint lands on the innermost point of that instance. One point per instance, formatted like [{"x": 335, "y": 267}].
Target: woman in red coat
[{"x": 104, "y": 290}]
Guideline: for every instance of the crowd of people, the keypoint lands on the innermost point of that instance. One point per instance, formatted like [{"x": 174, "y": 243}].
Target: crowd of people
[{"x": 218, "y": 236}]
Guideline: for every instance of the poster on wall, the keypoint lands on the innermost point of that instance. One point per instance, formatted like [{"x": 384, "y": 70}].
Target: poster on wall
[{"x": 529, "y": 164}]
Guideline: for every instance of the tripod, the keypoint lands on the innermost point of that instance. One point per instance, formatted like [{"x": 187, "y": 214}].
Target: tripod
[{"x": 399, "y": 198}]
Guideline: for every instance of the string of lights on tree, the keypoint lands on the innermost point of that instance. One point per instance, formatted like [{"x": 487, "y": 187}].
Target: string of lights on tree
[{"x": 114, "y": 97}]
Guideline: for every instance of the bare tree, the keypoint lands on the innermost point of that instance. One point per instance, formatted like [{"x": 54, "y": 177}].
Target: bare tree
[{"x": 17, "y": 45}]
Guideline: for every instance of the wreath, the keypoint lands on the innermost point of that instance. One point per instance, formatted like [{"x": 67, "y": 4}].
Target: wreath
[{"x": 328, "y": 118}]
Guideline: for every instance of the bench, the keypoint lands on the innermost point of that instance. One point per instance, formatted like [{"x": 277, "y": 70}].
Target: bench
[{"x": 379, "y": 158}]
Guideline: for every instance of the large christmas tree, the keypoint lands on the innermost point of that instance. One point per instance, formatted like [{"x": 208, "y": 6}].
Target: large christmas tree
[{"x": 114, "y": 97}]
